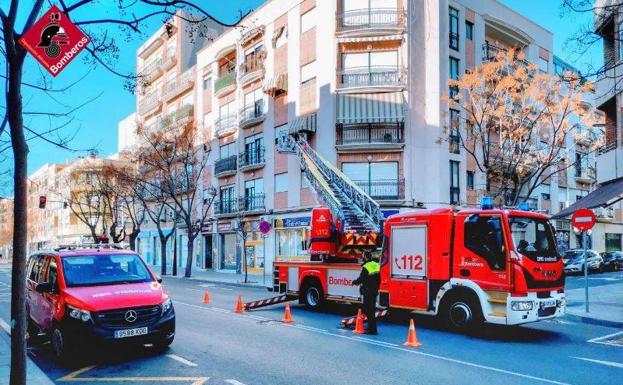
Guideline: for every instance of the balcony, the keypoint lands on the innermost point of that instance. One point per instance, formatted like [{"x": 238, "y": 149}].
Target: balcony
[
  {"x": 584, "y": 174},
  {"x": 371, "y": 136},
  {"x": 225, "y": 125},
  {"x": 181, "y": 84},
  {"x": 225, "y": 84},
  {"x": 384, "y": 189},
  {"x": 390, "y": 78},
  {"x": 168, "y": 62},
  {"x": 252, "y": 203},
  {"x": 370, "y": 21},
  {"x": 151, "y": 71},
  {"x": 490, "y": 52},
  {"x": 179, "y": 118},
  {"x": 225, "y": 207},
  {"x": 225, "y": 166},
  {"x": 149, "y": 104},
  {"x": 252, "y": 114},
  {"x": 586, "y": 136},
  {"x": 253, "y": 68},
  {"x": 251, "y": 160}
]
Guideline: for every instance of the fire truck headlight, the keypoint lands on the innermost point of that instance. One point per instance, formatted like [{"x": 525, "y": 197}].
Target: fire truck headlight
[{"x": 521, "y": 305}]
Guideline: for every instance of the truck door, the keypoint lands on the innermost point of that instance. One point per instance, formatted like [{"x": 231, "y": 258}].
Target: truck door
[
  {"x": 34, "y": 298},
  {"x": 408, "y": 283},
  {"x": 481, "y": 251},
  {"x": 49, "y": 300}
]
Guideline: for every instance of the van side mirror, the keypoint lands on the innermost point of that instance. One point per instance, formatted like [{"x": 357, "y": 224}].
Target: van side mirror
[
  {"x": 44, "y": 287},
  {"x": 159, "y": 279}
]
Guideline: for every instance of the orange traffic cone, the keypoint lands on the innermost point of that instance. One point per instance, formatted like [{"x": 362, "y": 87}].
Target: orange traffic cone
[
  {"x": 287, "y": 316},
  {"x": 206, "y": 297},
  {"x": 359, "y": 324},
  {"x": 239, "y": 308},
  {"x": 412, "y": 338}
]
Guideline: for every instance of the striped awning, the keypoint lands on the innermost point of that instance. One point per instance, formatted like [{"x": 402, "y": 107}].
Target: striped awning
[
  {"x": 383, "y": 107},
  {"x": 273, "y": 85},
  {"x": 305, "y": 123},
  {"x": 360, "y": 39}
]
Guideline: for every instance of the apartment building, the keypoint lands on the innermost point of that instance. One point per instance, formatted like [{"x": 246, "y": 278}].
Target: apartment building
[
  {"x": 362, "y": 81},
  {"x": 6, "y": 228}
]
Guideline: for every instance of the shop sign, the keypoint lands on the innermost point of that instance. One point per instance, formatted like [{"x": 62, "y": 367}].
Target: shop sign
[
  {"x": 223, "y": 226},
  {"x": 207, "y": 227},
  {"x": 292, "y": 222}
]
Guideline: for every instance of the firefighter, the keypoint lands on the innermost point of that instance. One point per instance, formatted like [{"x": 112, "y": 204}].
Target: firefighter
[{"x": 369, "y": 281}]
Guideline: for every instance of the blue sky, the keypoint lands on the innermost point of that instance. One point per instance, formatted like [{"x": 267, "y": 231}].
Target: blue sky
[{"x": 95, "y": 125}]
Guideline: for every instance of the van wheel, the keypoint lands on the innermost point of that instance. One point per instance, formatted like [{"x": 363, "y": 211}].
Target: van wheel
[
  {"x": 313, "y": 297},
  {"x": 63, "y": 346},
  {"x": 461, "y": 312}
]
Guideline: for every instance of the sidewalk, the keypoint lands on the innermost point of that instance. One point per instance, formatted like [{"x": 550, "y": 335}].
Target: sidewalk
[
  {"x": 34, "y": 375},
  {"x": 229, "y": 278},
  {"x": 605, "y": 305}
]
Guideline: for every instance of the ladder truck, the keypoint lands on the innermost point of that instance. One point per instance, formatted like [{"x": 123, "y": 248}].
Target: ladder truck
[{"x": 479, "y": 265}]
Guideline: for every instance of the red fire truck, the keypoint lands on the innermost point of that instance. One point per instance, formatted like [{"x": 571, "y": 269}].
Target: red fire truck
[{"x": 470, "y": 266}]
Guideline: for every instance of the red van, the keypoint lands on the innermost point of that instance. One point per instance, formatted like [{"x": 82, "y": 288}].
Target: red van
[{"x": 96, "y": 296}]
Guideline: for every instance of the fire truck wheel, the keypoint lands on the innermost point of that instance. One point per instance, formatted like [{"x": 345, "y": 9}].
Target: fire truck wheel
[
  {"x": 313, "y": 297},
  {"x": 461, "y": 311}
]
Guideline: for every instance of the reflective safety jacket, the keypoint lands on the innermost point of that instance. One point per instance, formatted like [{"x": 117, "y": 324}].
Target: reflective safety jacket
[{"x": 369, "y": 279}]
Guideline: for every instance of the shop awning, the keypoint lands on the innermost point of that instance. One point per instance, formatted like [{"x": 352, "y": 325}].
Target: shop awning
[
  {"x": 276, "y": 84},
  {"x": 306, "y": 123},
  {"x": 361, "y": 39},
  {"x": 605, "y": 195},
  {"x": 387, "y": 107}
]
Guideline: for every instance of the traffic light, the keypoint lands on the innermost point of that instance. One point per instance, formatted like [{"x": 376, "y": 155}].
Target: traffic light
[{"x": 42, "y": 200}]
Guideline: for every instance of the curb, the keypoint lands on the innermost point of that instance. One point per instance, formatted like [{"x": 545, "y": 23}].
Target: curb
[
  {"x": 254, "y": 285},
  {"x": 593, "y": 321}
]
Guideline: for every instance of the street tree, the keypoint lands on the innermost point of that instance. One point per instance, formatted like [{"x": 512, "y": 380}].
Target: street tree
[
  {"x": 129, "y": 18},
  {"x": 515, "y": 122}
]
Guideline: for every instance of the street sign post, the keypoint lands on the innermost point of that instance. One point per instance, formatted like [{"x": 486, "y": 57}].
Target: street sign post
[{"x": 583, "y": 220}]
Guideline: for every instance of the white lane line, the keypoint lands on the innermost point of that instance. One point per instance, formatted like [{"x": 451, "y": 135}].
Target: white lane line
[
  {"x": 207, "y": 285},
  {"x": 5, "y": 326},
  {"x": 182, "y": 360},
  {"x": 599, "y": 339},
  {"x": 388, "y": 345},
  {"x": 608, "y": 363},
  {"x": 201, "y": 291},
  {"x": 234, "y": 382}
]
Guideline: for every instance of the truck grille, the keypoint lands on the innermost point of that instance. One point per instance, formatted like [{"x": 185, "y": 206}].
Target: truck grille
[{"x": 114, "y": 319}]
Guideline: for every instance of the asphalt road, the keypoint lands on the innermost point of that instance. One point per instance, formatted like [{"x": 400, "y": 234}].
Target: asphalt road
[{"x": 214, "y": 345}]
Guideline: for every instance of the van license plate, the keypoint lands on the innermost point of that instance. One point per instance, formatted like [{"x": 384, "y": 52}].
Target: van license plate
[
  {"x": 548, "y": 303},
  {"x": 130, "y": 332}
]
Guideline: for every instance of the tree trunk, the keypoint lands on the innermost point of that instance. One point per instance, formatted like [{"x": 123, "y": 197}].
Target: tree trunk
[
  {"x": 20, "y": 224},
  {"x": 189, "y": 258},
  {"x": 163, "y": 254},
  {"x": 132, "y": 238}
]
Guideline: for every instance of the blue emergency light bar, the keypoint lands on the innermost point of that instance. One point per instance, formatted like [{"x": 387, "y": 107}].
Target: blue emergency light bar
[{"x": 486, "y": 203}]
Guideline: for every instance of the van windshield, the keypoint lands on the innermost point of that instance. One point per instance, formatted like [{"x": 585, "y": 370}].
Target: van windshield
[
  {"x": 534, "y": 238},
  {"x": 104, "y": 269}
]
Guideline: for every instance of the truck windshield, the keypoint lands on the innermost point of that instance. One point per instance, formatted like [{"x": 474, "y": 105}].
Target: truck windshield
[
  {"x": 534, "y": 238},
  {"x": 105, "y": 269}
]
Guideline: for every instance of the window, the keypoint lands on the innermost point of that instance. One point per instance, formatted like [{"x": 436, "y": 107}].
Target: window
[
  {"x": 254, "y": 104},
  {"x": 454, "y": 29},
  {"x": 454, "y": 75},
  {"x": 291, "y": 242},
  {"x": 308, "y": 20},
  {"x": 613, "y": 242},
  {"x": 281, "y": 182},
  {"x": 483, "y": 236},
  {"x": 543, "y": 65},
  {"x": 470, "y": 180},
  {"x": 282, "y": 139},
  {"x": 228, "y": 150},
  {"x": 377, "y": 179},
  {"x": 36, "y": 265},
  {"x": 308, "y": 72},
  {"x": 454, "y": 182},
  {"x": 546, "y": 196},
  {"x": 207, "y": 84},
  {"x": 227, "y": 197},
  {"x": 254, "y": 187},
  {"x": 621, "y": 40},
  {"x": 52, "y": 274},
  {"x": 254, "y": 149},
  {"x": 455, "y": 139},
  {"x": 469, "y": 30},
  {"x": 104, "y": 269}
]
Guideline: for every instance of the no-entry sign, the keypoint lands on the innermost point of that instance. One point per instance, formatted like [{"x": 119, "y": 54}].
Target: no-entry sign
[
  {"x": 264, "y": 227},
  {"x": 583, "y": 219}
]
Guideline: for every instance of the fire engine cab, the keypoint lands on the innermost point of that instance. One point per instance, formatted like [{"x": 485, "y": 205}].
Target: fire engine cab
[{"x": 479, "y": 265}]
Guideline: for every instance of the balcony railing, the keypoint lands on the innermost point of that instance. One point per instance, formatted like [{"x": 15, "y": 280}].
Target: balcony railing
[
  {"x": 149, "y": 103},
  {"x": 168, "y": 62},
  {"x": 372, "y": 133},
  {"x": 251, "y": 159},
  {"x": 225, "y": 83},
  {"x": 490, "y": 52},
  {"x": 585, "y": 174},
  {"x": 226, "y": 206},
  {"x": 455, "y": 195},
  {"x": 225, "y": 166},
  {"x": 369, "y": 18},
  {"x": 152, "y": 70},
  {"x": 252, "y": 202},
  {"x": 371, "y": 76},
  {"x": 225, "y": 125},
  {"x": 252, "y": 68},
  {"x": 251, "y": 114},
  {"x": 610, "y": 146},
  {"x": 384, "y": 189},
  {"x": 178, "y": 118},
  {"x": 181, "y": 83}
]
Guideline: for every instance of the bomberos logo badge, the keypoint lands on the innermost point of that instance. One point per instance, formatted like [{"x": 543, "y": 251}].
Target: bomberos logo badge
[{"x": 54, "y": 41}]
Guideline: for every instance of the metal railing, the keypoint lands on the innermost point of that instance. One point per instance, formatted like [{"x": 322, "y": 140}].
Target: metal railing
[
  {"x": 224, "y": 81},
  {"x": 372, "y": 133},
  {"x": 224, "y": 165},
  {"x": 149, "y": 102},
  {"x": 455, "y": 195},
  {"x": 584, "y": 172},
  {"x": 251, "y": 158},
  {"x": 371, "y": 76},
  {"x": 609, "y": 146},
  {"x": 252, "y": 111},
  {"x": 384, "y": 189},
  {"x": 252, "y": 202},
  {"x": 179, "y": 85},
  {"x": 369, "y": 18},
  {"x": 226, "y": 206},
  {"x": 226, "y": 124},
  {"x": 182, "y": 116},
  {"x": 151, "y": 69},
  {"x": 490, "y": 52}
]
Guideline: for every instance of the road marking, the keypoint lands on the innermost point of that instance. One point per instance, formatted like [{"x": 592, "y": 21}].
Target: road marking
[
  {"x": 234, "y": 382},
  {"x": 603, "y": 339},
  {"x": 73, "y": 377},
  {"x": 207, "y": 285},
  {"x": 5, "y": 326},
  {"x": 182, "y": 360},
  {"x": 608, "y": 363},
  {"x": 388, "y": 345}
]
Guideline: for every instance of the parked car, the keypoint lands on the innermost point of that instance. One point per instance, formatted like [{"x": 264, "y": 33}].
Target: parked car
[
  {"x": 90, "y": 297},
  {"x": 574, "y": 261},
  {"x": 613, "y": 260}
]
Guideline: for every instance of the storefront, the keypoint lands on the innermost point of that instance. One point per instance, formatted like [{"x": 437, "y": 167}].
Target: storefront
[
  {"x": 291, "y": 235},
  {"x": 254, "y": 246},
  {"x": 228, "y": 253}
]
